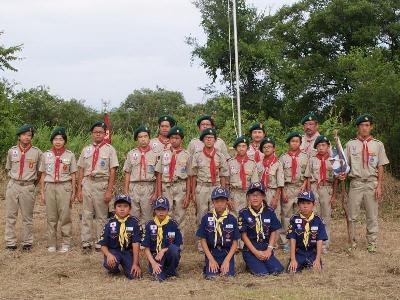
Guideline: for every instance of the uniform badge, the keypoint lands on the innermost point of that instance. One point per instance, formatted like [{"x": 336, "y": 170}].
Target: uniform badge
[
  {"x": 314, "y": 228},
  {"x": 129, "y": 228},
  {"x": 15, "y": 153},
  {"x": 49, "y": 155},
  {"x": 166, "y": 157},
  {"x": 298, "y": 226},
  {"x": 229, "y": 226},
  {"x": 49, "y": 168},
  {"x": 31, "y": 164},
  {"x": 113, "y": 226},
  {"x": 171, "y": 236},
  {"x": 267, "y": 220},
  {"x": 198, "y": 148},
  {"x": 153, "y": 229},
  {"x": 135, "y": 156},
  {"x": 154, "y": 145},
  {"x": 298, "y": 221},
  {"x": 249, "y": 219},
  {"x": 166, "y": 170},
  {"x": 102, "y": 163},
  {"x": 88, "y": 151}
]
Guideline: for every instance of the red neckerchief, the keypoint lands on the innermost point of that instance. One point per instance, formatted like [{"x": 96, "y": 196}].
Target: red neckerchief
[
  {"x": 294, "y": 156},
  {"x": 164, "y": 142},
  {"x": 242, "y": 161},
  {"x": 267, "y": 163},
  {"x": 213, "y": 168},
  {"x": 57, "y": 154},
  {"x": 322, "y": 168},
  {"x": 96, "y": 154},
  {"x": 257, "y": 157},
  {"x": 143, "y": 161},
  {"x": 365, "y": 152},
  {"x": 172, "y": 165},
  {"x": 22, "y": 160}
]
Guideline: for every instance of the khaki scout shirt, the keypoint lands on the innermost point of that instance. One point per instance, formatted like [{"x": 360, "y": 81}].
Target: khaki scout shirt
[
  {"x": 157, "y": 146},
  {"x": 138, "y": 173},
  {"x": 313, "y": 170},
  {"x": 107, "y": 160},
  {"x": 200, "y": 166},
  {"x": 377, "y": 157},
  {"x": 31, "y": 164},
  {"x": 250, "y": 169},
  {"x": 181, "y": 166},
  {"x": 251, "y": 153},
  {"x": 196, "y": 145},
  {"x": 302, "y": 161},
  {"x": 307, "y": 144},
  {"x": 68, "y": 166},
  {"x": 276, "y": 178}
]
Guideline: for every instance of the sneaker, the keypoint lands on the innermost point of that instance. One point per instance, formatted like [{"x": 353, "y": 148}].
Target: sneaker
[
  {"x": 63, "y": 249},
  {"x": 86, "y": 248},
  {"x": 27, "y": 247},
  {"x": 51, "y": 249},
  {"x": 371, "y": 248},
  {"x": 286, "y": 248},
  {"x": 97, "y": 247},
  {"x": 11, "y": 248}
]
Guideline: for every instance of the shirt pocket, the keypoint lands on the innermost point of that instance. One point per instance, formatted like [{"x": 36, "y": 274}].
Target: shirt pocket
[
  {"x": 104, "y": 163},
  {"x": 65, "y": 166}
]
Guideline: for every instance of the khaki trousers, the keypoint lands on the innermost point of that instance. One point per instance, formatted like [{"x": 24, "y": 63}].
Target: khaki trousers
[
  {"x": 323, "y": 195},
  {"x": 141, "y": 193},
  {"x": 289, "y": 209}
]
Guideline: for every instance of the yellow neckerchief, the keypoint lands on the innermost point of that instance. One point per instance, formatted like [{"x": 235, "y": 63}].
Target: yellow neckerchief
[
  {"x": 123, "y": 236},
  {"x": 307, "y": 228},
  {"x": 218, "y": 222},
  {"x": 160, "y": 232},
  {"x": 257, "y": 216}
]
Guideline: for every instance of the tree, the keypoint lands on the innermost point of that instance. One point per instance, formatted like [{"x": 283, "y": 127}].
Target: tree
[{"x": 7, "y": 55}]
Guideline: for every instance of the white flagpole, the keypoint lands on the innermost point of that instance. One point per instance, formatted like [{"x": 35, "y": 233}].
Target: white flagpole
[{"x": 237, "y": 68}]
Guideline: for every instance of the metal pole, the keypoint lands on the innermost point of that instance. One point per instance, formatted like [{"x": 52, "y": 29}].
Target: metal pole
[{"x": 237, "y": 68}]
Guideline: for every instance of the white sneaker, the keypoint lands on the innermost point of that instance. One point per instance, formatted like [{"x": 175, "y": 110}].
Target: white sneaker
[
  {"x": 51, "y": 249},
  {"x": 63, "y": 249}
]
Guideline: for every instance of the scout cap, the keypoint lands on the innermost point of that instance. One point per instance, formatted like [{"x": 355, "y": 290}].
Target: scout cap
[
  {"x": 140, "y": 129},
  {"x": 321, "y": 139},
  {"x": 241, "y": 139},
  {"x": 176, "y": 130},
  {"x": 208, "y": 131},
  {"x": 219, "y": 192},
  {"x": 121, "y": 199},
  {"x": 306, "y": 196},
  {"x": 266, "y": 140},
  {"x": 98, "y": 124},
  {"x": 171, "y": 120},
  {"x": 365, "y": 118},
  {"x": 161, "y": 202},
  {"x": 257, "y": 126},
  {"x": 255, "y": 186},
  {"x": 205, "y": 117},
  {"x": 292, "y": 135},
  {"x": 25, "y": 128},
  {"x": 309, "y": 117},
  {"x": 58, "y": 131}
]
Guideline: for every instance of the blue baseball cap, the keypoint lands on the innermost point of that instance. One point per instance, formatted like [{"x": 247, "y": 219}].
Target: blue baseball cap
[
  {"x": 306, "y": 196},
  {"x": 122, "y": 198},
  {"x": 256, "y": 186},
  {"x": 219, "y": 192},
  {"x": 161, "y": 202}
]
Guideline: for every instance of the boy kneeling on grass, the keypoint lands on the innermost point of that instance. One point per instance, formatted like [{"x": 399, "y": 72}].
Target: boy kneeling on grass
[
  {"x": 219, "y": 235},
  {"x": 162, "y": 240},
  {"x": 306, "y": 233},
  {"x": 259, "y": 226},
  {"x": 120, "y": 240}
]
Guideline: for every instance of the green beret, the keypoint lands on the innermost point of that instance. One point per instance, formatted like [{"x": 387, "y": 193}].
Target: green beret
[
  {"x": 241, "y": 139},
  {"x": 365, "y": 118},
  {"x": 58, "y": 131},
  {"x": 321, "y": 139},
  {"x": 176, "y": 130},
  {"x": 170, "y": 119},
  {"x": 309, "y": 117},
  {"x": 140, "y": 129},
  {"x": 208, "y": 131},
  {"x": 266, "y": 140},
  {"x": 98, "y": 124},
  {"x": 205, "y": 118},
  {"x": 292, "y": 135},
  {"x": 257, "y": 126},
  {"x": 25, "y": 128}
]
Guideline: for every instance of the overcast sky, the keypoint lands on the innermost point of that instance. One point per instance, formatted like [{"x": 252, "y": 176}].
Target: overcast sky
[{"x": 97, "y": 49}]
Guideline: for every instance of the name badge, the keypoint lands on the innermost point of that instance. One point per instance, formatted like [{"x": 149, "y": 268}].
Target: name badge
[
  {"x": 229, "y": 226},
  {"x": 314, "y": 227},
  {"x": 267, "y": 220},
  {"x": 171, "y": 235},
  {"x": 129, "y": 228},
  {"x": 298, "y": 221}
]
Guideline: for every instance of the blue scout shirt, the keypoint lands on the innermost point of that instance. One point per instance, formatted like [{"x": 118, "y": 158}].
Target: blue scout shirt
[
  {"x": 296, "y": 231},
  {"x": 230, "y": 231},
  {"x": 171, "y": 235},
  {"x": 247, "y": 224},
  {"x": 110, "y": 234}
]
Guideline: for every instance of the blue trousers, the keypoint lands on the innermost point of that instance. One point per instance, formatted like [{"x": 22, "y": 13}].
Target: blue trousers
[
  {"x": 124, "y": 258},
  {"x": 169, "y": 263},
  {"x": 219, "y": 255},
  {"x": 305, "y": 259},
  {"x": 262, "y": 267}
]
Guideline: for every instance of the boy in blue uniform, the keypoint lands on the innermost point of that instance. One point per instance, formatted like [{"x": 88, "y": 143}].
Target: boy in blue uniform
[
  {"x": 120, "y": 240},
  {"x": 219, "y": 235},
  {"x": 306, "y": 233},
  {"x": 162, "y": 240},
  {"x": 259, "y": 227}
]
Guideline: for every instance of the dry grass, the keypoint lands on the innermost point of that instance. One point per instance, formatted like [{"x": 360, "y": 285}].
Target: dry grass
[{"x": 358, "y": 274}]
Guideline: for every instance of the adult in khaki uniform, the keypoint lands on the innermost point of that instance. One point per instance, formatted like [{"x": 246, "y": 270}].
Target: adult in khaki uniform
[
  {"x": 242, "y": 172},
  {"x": 310, "y": 125},
  {"x": 97, "y": 170},
  {"x": 257, "y": 133},
  {"x": 58, "y": 184},
  {"x": 367, "y": 158},
  {"x": 294, "y": 166},
  {"x": 322, "y": 182},
  {"x": 197, "y": 145},
  {"x": 209, "y": 170},
  {"x": 270, "y": 172},
  {"x": 160, "y": 143},
  {"x": 140, "y": 176},
  {"x": 172, "y": 175},
  {"x": 22, "y": 165}
]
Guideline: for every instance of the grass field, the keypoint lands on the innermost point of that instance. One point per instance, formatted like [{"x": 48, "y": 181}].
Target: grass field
[{"x": 357, "y": 275}]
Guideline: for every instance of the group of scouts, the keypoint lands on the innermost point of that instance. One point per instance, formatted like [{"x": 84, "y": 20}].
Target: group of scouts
[{"x": 254, "y": 201}]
